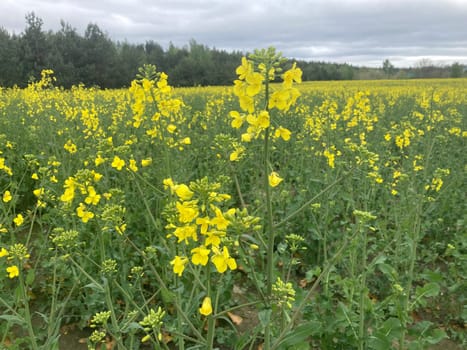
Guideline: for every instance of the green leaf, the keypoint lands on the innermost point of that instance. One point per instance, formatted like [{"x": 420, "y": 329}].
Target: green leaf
[
  {"x": 265, "y": 317},
  {"x": 391, "y": 328},
  {"x": 379, "y": 342},
  {"x": 428, "y": 290},
  {"x": 382, "y": 339},
  {"x": 95, "y": 287},
  {"x": 298, "y": 336},
  {"x": 388, "y": 271},
  {"x": 30, "y": 276},
  {"x": 14, "y": 319},
  {"x": 167, "y": 296},
  {"x": 436, "y": 336},
  {"x": 311, "y": 274}
]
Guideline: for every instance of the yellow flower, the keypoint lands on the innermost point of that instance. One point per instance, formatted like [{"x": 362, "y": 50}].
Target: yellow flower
[
  {"x": 133, "y": 167},
  {"x": 146, "y": 162},
  {"x": 263, "y": 119},
  {"x": 246, "y": 137},
  {"x": 13, "y": 271},
  {"x": 120, "y": 229},
  {"x": 3, "y": 252},
  {"x": 222, "y": 260},
  {"x": 244, "y": 69},
  {"x": 254, "y": 81},
  {"x": 171, "y": 128},
  {"x": 204, "y": 223},
  {"x": 279, "y": 100},
  {"x": 34, "y": 176},
  {"x": 206, "y": 307},
  {"x": 283, "y": 133},
  {"x": 68, "y": 195},
  {"x": 118, "y": 163},
  {"x": 183, "y": 192},
  {"x": 237, "y": 119},
  {"x": 7, "y": 196},
  {"x": 92, "y": 198},
  {"x": 237, "y": 153},
  {"x": 213, "y": 238},
  {"x": 187, "y": 212},
  {"x": 70, "y": 147},
  {"x": 18, "y": 220},
  {"x": 179, "y": 264},
  {"x": 83, "y": 213},
  {"x": 96, "y": 176},
  {"x": 293, "y": 74},
  {"x": 247, "y": 103},
  {"x": 220, "y": 221},
  {"x": 274, "y": 179},
  {"x": 200, "y": 256},
  {"x": 39, "y": 192},
  {"x": 99, "y": 160},
  {"x": 185, "y": 232},
  {"x": 168, "y": 183}
]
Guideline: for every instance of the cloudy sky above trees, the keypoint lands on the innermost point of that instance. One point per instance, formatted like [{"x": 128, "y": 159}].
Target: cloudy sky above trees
[{"x": 359, "y": 32}]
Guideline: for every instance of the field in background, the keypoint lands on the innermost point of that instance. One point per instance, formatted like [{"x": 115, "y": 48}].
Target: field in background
[{"x": 376, "y": 168}]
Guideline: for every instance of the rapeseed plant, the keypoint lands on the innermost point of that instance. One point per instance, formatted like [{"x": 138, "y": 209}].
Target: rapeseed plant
[{"x": 178, "y": 267}]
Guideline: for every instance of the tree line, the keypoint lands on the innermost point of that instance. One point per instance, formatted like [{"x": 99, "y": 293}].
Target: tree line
[{"x": 93, "y": 59}]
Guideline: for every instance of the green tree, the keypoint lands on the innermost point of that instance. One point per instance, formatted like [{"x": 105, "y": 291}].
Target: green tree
[
  {"x": 155, "y": 55},
  {"x": 457, "y": 70},
  {"x": 388, "y": 68},
  {"x": 100, "y": 58},
  {"x": 10, "y": 72},
  {"x": 33, "y": 49},
  {"x": 67, "y": 56},
  {"x": 129, "y": 59}
]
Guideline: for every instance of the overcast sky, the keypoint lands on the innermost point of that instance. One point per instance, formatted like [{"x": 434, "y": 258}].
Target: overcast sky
[{"x": 359, "y": 32}]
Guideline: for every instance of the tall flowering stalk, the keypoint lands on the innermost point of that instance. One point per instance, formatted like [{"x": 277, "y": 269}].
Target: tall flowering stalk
[
  {"x": 258, "y": 104},
  {"x": 196, "y": 221}
]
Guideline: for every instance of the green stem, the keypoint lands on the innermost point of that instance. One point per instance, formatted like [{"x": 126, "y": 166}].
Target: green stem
[
  {"x": 413, "y": 259},
  {"x": 115, "y": 329},
  {"x": 27, "y": 313},
  {"x": 361, "y": 337},
  {"x": 239, "y": 192},
  {"x": 269, "y": 227},
  {"x": 211, "y": 320},
  {"x": 210, "y": 336},
  {"x": 269, "y": 217}
]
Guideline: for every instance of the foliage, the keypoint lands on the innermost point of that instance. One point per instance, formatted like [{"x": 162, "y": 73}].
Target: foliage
[{"x": 275, "y": 213}]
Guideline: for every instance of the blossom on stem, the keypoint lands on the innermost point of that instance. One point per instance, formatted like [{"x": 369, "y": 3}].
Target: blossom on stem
[
  {"x": 274, "y": 179},
  {"x": 206, "y": 307}
]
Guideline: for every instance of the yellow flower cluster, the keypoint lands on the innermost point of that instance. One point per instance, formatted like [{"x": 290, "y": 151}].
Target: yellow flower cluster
[
  {"x": 18, "y": 254},
  {"x": 4, "y": 167},
  {"x": 82, "y": 184},
  {"x": 199, "y": 224},
  {"x": 249, "y": 85},
  {"x": 157, "y": 112}
]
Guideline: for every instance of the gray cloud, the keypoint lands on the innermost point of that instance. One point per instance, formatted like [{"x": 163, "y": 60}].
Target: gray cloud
[{"x": 361, "y": 32}]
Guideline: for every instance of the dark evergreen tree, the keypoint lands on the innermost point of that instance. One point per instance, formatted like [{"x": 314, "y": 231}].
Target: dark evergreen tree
[
  {"x": 100, "y": 58},
  {"x": 129, "y": 59},
  {"x": 10, "y": 63},
  {"x": 33, "y": 49}
]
